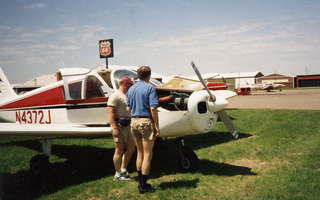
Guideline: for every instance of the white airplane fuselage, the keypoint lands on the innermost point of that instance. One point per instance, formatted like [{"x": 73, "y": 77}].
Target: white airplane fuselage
[{"x": 69, "y": 102}]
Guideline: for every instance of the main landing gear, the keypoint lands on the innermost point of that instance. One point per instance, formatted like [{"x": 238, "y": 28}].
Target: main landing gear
[{"x": 40, "y": 163}]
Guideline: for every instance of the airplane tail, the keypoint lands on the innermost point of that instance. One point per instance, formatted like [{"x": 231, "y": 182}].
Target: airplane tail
[{"x": 5, "y": 87}]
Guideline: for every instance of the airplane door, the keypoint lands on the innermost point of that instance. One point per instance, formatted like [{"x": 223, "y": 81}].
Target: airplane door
[{"x": 88, "y": 101}]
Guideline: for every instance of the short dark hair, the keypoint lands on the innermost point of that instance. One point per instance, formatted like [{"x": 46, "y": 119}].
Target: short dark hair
[{"x": 144, "y": 72}]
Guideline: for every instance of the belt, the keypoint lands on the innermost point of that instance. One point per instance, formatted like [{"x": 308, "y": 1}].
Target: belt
[
  {"x": 140, "y": 117},
  {"x": 123, "y": 121}
]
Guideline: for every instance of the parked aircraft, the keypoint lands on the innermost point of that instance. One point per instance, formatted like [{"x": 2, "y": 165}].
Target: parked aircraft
[
  {"x": 267, "y": 86},
  {"x": 75, "y": 105}
]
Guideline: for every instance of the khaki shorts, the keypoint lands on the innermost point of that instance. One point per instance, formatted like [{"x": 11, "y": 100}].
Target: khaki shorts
[
  {"x": 125, "y": 135},
  {"x": 142, "y": 128}
]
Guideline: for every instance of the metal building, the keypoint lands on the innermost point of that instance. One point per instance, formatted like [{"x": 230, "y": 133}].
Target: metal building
[
  {"x": 237, "y": 80},
  {"x": 307, "y": 80},
  {"x": 278, "y": 79}
]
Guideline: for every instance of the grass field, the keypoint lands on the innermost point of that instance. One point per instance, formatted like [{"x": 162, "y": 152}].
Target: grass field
[{"x": 277, "y": 157}]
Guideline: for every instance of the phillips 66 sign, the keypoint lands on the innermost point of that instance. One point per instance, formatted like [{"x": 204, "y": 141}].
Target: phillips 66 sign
[{"x": 106, "y": 48}]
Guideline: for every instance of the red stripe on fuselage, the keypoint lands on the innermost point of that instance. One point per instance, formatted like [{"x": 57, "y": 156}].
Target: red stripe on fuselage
[{"x": 54, "y": 96}]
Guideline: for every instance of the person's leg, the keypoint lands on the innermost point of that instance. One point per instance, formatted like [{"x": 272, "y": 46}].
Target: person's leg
[
  {"x": 136, "y": 135},
  {"x": 129, "y": 150},
  {"x": 147, "y": 156},
  {"x": 117, "y": 157},
  {"x": 146, "y": 165},
  {"x": 147, "y": 143},
  {"x": 140, "y": 155}
]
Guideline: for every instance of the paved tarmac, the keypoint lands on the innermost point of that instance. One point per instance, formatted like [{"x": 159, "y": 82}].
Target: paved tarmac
[{"x": 295, "y": 99}]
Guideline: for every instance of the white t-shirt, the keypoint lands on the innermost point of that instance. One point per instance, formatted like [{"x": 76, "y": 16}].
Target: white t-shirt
[{"x": 119, "y": 101}]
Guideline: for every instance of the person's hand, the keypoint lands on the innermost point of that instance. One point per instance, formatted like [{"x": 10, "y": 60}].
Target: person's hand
[{"x": 157, "y": 131}]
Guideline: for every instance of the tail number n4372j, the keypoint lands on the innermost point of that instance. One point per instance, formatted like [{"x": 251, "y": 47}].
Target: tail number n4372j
[{"x": 33, "y": 117}]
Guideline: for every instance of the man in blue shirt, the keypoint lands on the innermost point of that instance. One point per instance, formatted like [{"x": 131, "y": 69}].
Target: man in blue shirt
[{"x": 143, "y": 102}]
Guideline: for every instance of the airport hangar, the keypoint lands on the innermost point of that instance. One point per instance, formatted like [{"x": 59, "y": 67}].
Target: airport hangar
[
  {"x": 287, "y": 81},
  {"x": 235, "y": 80},
  {"x": 312, "y": 80}
]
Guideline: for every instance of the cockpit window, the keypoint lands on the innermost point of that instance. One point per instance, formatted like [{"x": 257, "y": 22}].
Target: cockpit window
[
  {"x": 119, "y": 74},
  {"x": 75, "y": 90},
  {"x": 93, "y": 88},
  {"x": 106, "y": 77},
  {"x": 155, "y": 82}
]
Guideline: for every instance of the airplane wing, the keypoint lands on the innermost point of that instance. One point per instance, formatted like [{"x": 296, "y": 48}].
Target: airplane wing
[
  {"x": 13, "y": 129},
  {"x": 224, "y": 93}
]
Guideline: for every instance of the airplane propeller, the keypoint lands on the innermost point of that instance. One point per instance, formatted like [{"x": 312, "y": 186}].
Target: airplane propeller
[
  {"x": 222, "y": 114},
  {"x": 212, "y": 97}
]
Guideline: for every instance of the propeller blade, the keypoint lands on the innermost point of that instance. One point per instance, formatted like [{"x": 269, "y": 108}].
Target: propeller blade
[{"x": 212, "y": 97}]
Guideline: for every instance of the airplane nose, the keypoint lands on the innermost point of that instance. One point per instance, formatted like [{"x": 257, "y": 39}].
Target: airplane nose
[{"x": 204, "y": 102}]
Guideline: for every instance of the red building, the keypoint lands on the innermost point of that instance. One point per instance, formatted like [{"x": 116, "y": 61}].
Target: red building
[{"x": 312, "y": 80}]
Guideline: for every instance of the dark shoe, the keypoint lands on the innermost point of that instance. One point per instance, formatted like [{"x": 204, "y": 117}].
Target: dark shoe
[{"x": 147, "y": 188}]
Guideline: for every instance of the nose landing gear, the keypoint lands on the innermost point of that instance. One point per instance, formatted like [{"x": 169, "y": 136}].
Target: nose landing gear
[{"x": 187, "y": 159}]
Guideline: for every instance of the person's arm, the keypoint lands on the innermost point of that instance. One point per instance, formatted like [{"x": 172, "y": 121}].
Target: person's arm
[
  {"x": 112, "y": 119},
  {"x": 155, "y": 120},
  {"x": 154, "y": 103},
  {"x": 111, "y": 110}
]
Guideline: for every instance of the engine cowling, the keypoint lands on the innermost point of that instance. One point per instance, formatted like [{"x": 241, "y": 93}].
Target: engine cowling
[{"x": 202, "y": 111}]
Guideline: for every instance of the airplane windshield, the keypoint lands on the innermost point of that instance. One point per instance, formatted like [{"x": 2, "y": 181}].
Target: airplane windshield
[
  {"x": 119, "y": 74},
  {"x": 155, "y": 82}
]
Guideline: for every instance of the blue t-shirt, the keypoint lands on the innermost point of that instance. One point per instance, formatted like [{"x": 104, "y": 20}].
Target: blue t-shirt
[{"x": 141, "y": 97}]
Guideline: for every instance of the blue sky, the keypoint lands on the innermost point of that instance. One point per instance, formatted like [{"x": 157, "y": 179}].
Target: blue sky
[{"x": 40, "y": 36}]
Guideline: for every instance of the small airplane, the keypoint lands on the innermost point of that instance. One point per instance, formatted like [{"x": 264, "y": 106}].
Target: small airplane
[
  {"x": 75, "y": 106},
  {"x": 269, "y": 86}
]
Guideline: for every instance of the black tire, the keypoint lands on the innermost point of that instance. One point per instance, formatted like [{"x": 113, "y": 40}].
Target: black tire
[
  {"x": 39, "y": 164},
  {"x": 188, "y": 160}
]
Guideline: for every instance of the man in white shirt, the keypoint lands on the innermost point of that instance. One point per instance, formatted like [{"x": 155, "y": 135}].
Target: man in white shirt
[{"x": 119, "y": 118}]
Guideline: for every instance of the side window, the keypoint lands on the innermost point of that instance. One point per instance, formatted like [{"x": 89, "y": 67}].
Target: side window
[
  {"x": 106, "y": 77},
  {"x": 75, "y": 90},
  {"x": 93, "y": 88}
]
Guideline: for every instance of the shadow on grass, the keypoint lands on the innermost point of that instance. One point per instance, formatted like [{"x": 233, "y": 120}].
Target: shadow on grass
[
  {"x": 166, "y": 156},
  {"x": 179, "y": 184},
  {"x": 208, "y": 167},
  {"x": 83, "y": 164},
  {"x": 209, "y": 139},
  {"x": 89, "y": 163}
]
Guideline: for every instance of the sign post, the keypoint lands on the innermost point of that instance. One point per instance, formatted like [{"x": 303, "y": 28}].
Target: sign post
[{"x": 106, "y": 49}]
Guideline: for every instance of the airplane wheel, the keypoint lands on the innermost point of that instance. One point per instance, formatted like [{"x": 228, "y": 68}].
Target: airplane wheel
[
  {"x": 188, "y": 160},
  {"x": 39, "y": 163}
]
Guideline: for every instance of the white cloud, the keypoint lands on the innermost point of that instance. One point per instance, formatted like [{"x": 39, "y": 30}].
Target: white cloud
[
  {"x": 35, "y": 6},
  {"x": 49, "y": 45},
  {"x": 234, "y": 48},
  {"x": 244, "y": 47},
  {"x": 35, "y": 60}
]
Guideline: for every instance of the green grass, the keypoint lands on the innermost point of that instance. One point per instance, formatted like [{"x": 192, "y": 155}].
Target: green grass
[{"x": 277, "y": 157}]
